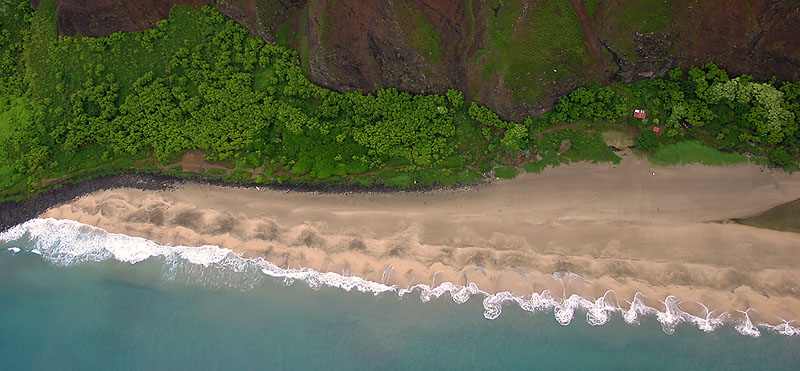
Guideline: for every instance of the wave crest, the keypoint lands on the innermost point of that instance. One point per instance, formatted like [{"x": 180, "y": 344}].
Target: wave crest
[{"x": 67, "y": 243}]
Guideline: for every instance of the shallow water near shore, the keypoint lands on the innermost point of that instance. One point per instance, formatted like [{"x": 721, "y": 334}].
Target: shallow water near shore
[
  {"x": 785, "y": 217},
  {"x": 109, "y": 314}
]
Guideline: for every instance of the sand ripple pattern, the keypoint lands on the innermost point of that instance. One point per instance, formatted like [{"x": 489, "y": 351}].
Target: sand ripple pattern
[{"x": 629, "y": 239}]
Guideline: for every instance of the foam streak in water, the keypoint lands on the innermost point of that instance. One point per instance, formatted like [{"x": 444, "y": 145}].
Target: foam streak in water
[{"x": 66, "y": 243}]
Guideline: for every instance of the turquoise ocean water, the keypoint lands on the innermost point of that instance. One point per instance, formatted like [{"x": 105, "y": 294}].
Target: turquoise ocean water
[{"x": 65, "y": 305}]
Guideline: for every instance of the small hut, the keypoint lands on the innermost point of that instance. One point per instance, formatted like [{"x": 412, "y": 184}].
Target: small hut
[
  {"x": 639, "y": 114},
  {"x": 657, "y": 130}
]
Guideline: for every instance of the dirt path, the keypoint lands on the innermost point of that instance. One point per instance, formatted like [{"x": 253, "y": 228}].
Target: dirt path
[
  {"x": 599, "y": 66},
  {"x": 194, "y": 161}
]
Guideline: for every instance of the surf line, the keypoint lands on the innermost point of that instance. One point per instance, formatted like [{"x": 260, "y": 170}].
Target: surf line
[{"x": 67, "y": 242}]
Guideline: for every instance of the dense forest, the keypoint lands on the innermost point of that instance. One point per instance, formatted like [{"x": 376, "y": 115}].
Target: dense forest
[{"x": 73, "y": 107}]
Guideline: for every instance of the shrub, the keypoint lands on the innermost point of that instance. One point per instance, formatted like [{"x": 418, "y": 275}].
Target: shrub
[
  {"x": 647, "y": 141},
  {"x": 239, "y": 176},
  {"x": 506, "y": 172},
  {"x": 780, "y": 156},
  {"x": 216, "y": 173},
  {"x": 535, "y": 166}
]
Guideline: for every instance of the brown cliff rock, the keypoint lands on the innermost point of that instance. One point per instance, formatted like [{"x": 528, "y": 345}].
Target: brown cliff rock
[
  {"x": 104, "y": 17},
  {"x": 432, "y": 45}
]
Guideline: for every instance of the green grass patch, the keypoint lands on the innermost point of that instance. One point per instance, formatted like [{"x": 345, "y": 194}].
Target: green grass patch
[
  {"x": 468, "y": 176},
  {"x": 506, "y": 172},
  {"x": 285, "y": 36},
  {"x": 644, "y": 15},
  {"x": 632, "y": 16},
  {"x": 363, "y": 180},
  {"x": 535, "y": 166},
  {"x": 618, "y": 138},
  {"x": 239, "y": 176},
  {"x": 216, "y": 173},
  {"x": 419, "y": 32},
  {"x": 577, "y": 146},
  {"x": 690, "y": 152},
  {"x": 591, "y": 6},
  {"x": 400, "y": 181},
  {"x": 531, "y": 44}
]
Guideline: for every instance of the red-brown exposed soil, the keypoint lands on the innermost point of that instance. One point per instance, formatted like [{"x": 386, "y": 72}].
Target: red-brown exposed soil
[
  {"x": 758, "y": 37},
  {"x": 743, "y": 36},
  {"x": 590, "y": 39},
  {"x": 104, "y": 17},
  {"x": 361, "y": 47}
]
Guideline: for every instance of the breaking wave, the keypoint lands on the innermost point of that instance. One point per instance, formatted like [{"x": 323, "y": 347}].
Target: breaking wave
[{"x": 67, "y": 243}]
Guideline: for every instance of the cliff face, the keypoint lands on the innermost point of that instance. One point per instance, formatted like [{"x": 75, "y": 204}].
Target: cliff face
[
  {"x": 104, "y": 17},
  {"x": 515, "y": 56},
  {"x": 757, "y": 37},
  {"x": 351, "y": 46}
]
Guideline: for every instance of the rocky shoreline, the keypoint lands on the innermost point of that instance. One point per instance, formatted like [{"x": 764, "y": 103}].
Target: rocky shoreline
[{"x": 16, "y": 212}]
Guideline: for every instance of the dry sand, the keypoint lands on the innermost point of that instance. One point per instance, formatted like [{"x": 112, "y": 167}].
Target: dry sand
[{"x": 619, "y": 227}]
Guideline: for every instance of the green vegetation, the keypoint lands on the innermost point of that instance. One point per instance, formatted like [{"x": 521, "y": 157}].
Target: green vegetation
[
  {"x": 419, "y": 32},
  {"x": 704, "y": 105},
  {"x": 534, "y": 166},
  {"x": 199, "y": 81},
  {"x": 647, "y": 141},
  {"x": 618, "y": 138},
  {"x": 532, "y": 44},
  {"x": 694, "y": 152},
  {"x": 591, "y": 6},
  {"x": 73, "y": 107},
  {"x": 632, "y": 16},
  {"x": 574, "y": 145},
  {"x": 590, "y": 104},
  {"x": 644, "y": 15},
  {"x": 506, "y": 172}
]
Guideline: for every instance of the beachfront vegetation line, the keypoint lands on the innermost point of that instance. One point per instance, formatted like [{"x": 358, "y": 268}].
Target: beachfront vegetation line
[{"x": 74, "y": 107}]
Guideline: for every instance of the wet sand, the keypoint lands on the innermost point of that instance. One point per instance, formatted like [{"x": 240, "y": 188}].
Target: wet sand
[{"x": 618, "y": 227}]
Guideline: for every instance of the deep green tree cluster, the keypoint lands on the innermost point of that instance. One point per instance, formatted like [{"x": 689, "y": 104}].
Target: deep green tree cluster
[
  {"x": 22, "y": 148},
  {"x": 15, "y": 20},
  {"x": 200, "y": 81},
  {"x": 590, "y": 104},
  {"x": 703, "y": 103},
  {"x": 647, "y": 140},
  {"x": 515, "y": 135},
  {"x": 739, "y": 114}
]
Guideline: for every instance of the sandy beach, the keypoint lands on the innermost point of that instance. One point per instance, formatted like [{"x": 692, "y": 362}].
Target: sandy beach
[{"x": 617, "y": 228}]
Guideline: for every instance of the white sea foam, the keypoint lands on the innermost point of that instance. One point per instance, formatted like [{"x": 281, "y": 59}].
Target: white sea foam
[{"x": 66, "y": 242}]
